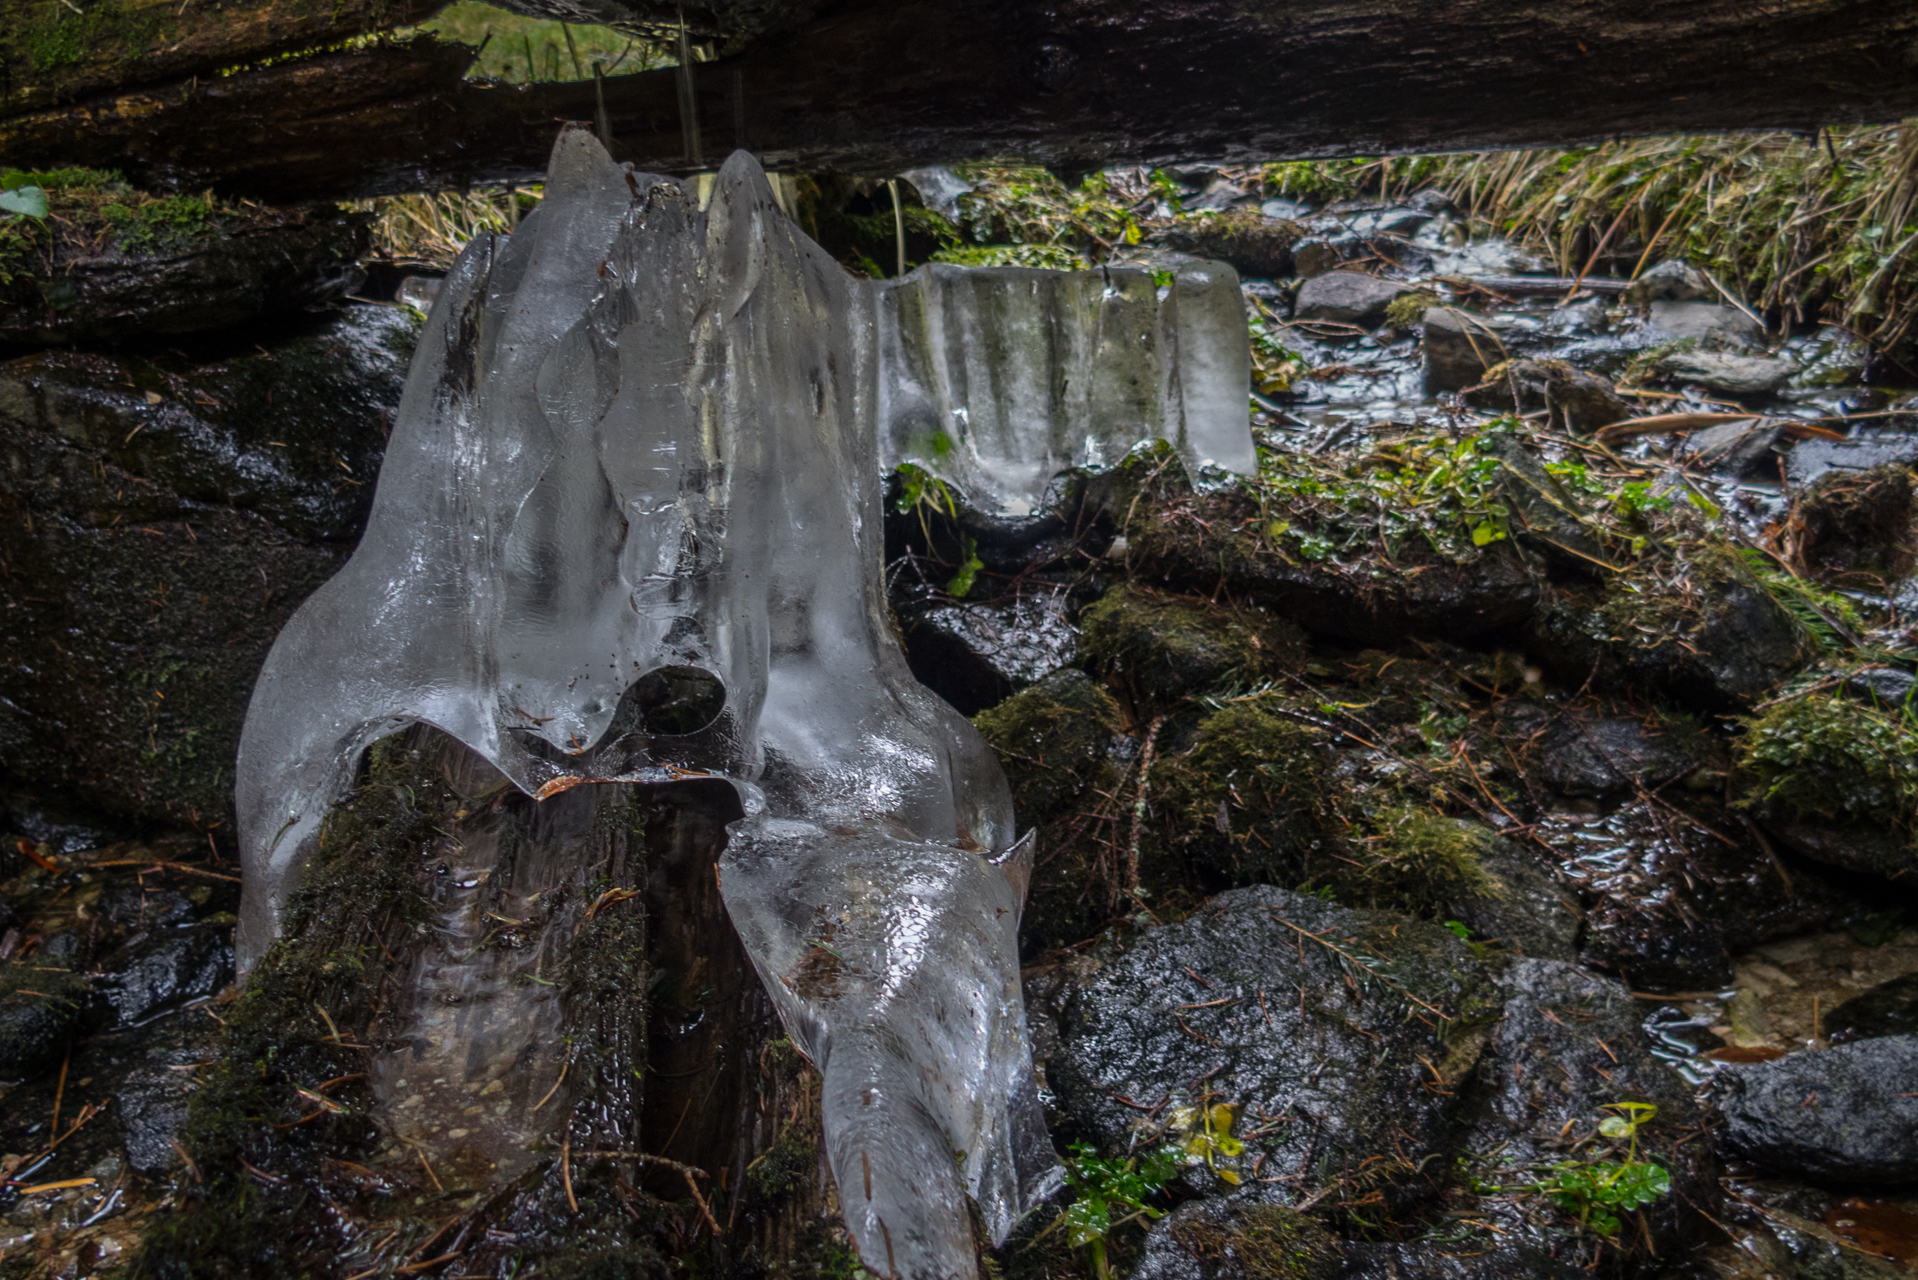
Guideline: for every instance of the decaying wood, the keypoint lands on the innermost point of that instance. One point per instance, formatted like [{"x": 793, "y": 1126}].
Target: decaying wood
[
  {"x": 875, "y": 88},
  {"x": 56, "y": 52}
]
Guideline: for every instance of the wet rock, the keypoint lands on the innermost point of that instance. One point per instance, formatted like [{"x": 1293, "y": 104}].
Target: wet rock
[
  {"x": 159, "y": 971},
  {"x": 975, "y": 654},
  {"x": 1706, "y": 323},
  {"x": 1163, "y": 647},
  {"x": 1548, "y": 517},
  {"x": 1567, "y": 1045},
  {"x": 1363, "y": 601},
  {"x": 1527, "y": 911},
  {"x": 1854, "y": 848},
  {"x": 1865, "y": 449},
  {"x": 235, "y": 269},
  {"x": 1585, "y": 755},
  {"x": 1347, "y": 297},
  {"x": 151, "y": 1099},
  {"x": 1720, "y": 645},
  {"x": 1748, "y": 450},
  {"x": 1858, "y": 522},
  {"x": 1457, "y": 348},
  {"x": 134, "y": 906},
  {"x": 1236, "y": 1240},
  {"x": 1258, "y": 247},
  {"x": 1577, "y": 401},
  {"x": 1670, "y": 281},
  {"x": 1830, "y": 1116},
  {"x": 1734, "y": 375},
  {"x": 163, "y": 516},
  {"x": 1888, "y": 1009},
  {"x": 39, "y": 1012},
  {"x": 1883, "y": 686},
  {"x": 1257, "y": 1003},
  {"x": 1445, "y": 1262}
]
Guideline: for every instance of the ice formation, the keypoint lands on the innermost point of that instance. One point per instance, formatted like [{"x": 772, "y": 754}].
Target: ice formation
[
  {"x": 641, "y": 441},
  {"x": 998, "y": 378}
]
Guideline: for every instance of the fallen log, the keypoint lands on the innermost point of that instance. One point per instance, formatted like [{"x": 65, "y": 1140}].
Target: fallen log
[
  {"x": 55, "y": 53},
  {"x": 874, "y": 89}
]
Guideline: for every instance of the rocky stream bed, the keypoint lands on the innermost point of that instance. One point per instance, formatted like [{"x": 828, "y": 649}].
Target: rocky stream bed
[{"x": 1477, "y": 846}]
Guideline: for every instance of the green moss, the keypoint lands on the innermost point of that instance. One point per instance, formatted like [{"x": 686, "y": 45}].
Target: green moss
[
  {"x": 1408, "y": 309},
  {"x": 1416, "y": 859},
  {"x": 1162, "y": 648},
  {"x": 1051, "y": 738},
  {"x": 362, "y": 883},
  {"x": 1050, "y": 257},
  {"x": 1826, "y": 759},
  {"x": 66, "y": 37},
  {"x": 1251, "y": 801},
  {"x": 1269, "y": 1242},
  {"x": 91, "y": 209}
]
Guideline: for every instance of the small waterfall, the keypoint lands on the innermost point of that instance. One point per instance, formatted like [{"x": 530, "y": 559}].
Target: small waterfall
[{"x": 628, "y": 532}]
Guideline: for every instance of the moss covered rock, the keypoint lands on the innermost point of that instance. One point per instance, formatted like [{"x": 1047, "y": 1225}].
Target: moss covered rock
[
  {"x": 111, "y": 261},
  {"x": 1250, "y": 801},
  {"x": 1839, "y": 780},
  {"x": 1708, "y": 634},
  {"x": 1227, "y": 540},
  {"x": 1162, "y": 648},
  {"x": 163, "y": 517}
]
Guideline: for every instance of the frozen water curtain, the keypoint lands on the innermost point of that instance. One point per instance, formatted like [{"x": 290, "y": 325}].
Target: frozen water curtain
[{"x": 628, "y": 530}]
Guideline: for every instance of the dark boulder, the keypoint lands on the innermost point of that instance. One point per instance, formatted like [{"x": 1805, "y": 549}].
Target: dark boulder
[
  {"x": 40, "y": 1009},
  {"x": 162, "y": 518},
  {"x": 1239, "y": 1240},
  {"x": 1581, "y": 754},
  {"x": 1888, "y": 1009},
  {"x": 159, "y": 971},
  {"x": 1841, "y": 1115},
  {"x": 1527, "y": 910},
  {"x": 1205, "y": 541},
  {"x": 118, "y": 263},
  {"x": 1347, "y": 297},
  {"x": 1717, "y": 643},
  {"x": 1574, "y": 400},
  {"x": 1258, "y": 247},
  {"x": 1334, "y": 1036}
]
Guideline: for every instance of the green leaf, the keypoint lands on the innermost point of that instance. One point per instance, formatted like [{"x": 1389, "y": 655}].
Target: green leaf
[
  {"x": 29, "y": 202},
  {"x": 962, "y": 581},
  {"x": 1616, "y": 1127}
]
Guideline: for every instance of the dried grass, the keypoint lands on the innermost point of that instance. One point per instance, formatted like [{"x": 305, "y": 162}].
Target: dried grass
[
  {"x": 1803, "y": 228},
  {"x": 432, "y": 228}
]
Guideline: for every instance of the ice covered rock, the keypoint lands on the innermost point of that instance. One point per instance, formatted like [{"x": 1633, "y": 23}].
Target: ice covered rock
[{"x": 628, "y": 529}]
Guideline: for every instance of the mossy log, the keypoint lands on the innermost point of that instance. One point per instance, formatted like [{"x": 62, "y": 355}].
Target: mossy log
[
  {"x": 877, "y": 88},
  {"x": 52, "y": 53}
]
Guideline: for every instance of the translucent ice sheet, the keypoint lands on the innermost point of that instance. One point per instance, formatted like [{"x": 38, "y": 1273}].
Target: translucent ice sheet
[
  {"x": 998, "y": 378},
  {"x": 641, "y": 442}
]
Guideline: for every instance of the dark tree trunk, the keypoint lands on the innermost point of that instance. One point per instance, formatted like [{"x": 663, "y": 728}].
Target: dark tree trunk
[{"x": 1075, "y": 85}]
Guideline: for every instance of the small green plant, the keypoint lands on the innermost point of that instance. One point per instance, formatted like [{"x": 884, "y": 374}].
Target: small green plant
[
  {"x": 961, "y": 582},
  {"x": 1206, "y": 1136},
  {"x": 1101, "y": 1187},
  {"x": 1598, "y": 1191},
  {"x": 24, "y": 202}
]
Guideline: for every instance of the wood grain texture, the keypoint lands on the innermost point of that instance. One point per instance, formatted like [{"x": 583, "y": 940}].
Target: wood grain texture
[{"x": 872, "y": 89}]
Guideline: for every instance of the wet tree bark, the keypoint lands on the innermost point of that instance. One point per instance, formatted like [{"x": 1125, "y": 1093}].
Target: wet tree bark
[
  {"x": 872, "y": 89},
  {"x": 54, "y": 53}
]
